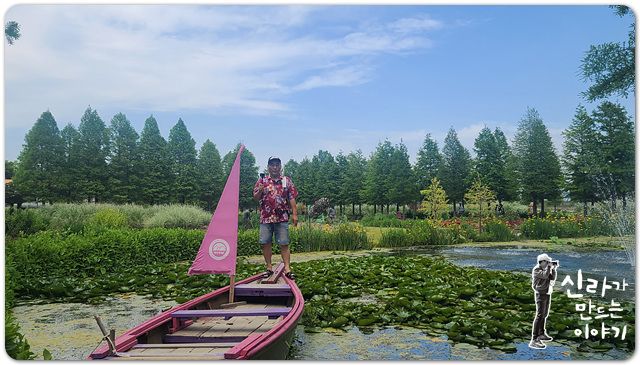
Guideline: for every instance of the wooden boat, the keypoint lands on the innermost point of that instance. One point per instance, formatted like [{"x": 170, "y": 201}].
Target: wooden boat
[
  {"x": 253, "y": 319},
  {"x": 259, "y": 325}
]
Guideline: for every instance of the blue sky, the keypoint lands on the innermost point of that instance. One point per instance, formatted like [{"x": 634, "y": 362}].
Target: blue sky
[{"x": 290, "y": 80}]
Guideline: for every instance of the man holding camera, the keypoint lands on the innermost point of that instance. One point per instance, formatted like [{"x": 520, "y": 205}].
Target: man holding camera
[
  {"x": 277, "y": 197},
  {"x": 541, "y": 281}
]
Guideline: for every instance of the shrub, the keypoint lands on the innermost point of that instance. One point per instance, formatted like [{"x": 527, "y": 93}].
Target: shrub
[
  {"x": 22, "y": 222},
  {"x": 97, "y": 252},
  {"x": 496, "y": 231},
  {"x": 178, "y": 216},
  {"x": 424, "y": 232},
  {"x": 537, "y": 228},
  {"x": 343, "y": 236},
  {"x": 70, "y": 218},
  {"x": 248, "y": 242},
  {"x": 564, "y": 227},
  {"x": 15, "y": 343},
  {"x": 383, "y": 220},
  {"x": 396, "y": 237},
  {"x": 108, "y": 218}
]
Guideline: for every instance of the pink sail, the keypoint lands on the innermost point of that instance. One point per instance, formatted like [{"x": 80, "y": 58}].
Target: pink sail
[{"x": 217, "y": 254}]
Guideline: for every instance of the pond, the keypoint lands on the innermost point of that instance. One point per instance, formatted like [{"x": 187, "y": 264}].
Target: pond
[
  {"x": 612, "y": 264},
  {"x": 69, "y": 331}
]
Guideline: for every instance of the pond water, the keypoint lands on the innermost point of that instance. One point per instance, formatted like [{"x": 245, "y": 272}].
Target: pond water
[
  {"x": 69, "y": 331},
  {"x": 612, "y": 264}
]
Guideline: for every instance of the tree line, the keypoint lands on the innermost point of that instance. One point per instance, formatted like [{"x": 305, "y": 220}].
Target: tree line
[
  {"x": 115, "y": 164},
  {"x": 96, "y": 163}
]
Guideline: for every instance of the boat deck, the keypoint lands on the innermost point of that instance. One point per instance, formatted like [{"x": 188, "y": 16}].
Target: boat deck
[{"x": 208, "y": 338}]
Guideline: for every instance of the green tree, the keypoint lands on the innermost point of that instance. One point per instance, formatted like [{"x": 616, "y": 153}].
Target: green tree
[
  {"x": 611, "y": 66},
  {"x": 617, "y": 150},
  {"x": 434, "y": 203},
  {"x": 123, "y": 161},
  {"x": 9, "y": 169},
  {"x": 11, "y": 195},
  {"x": 342, "y": 195},
  {"x": 507, "y": 186},
  {"x": 456, "y": 168},
  {"x": 11, "y": 31},
  {"x": 538, "y": 167},
  {"x": 325, "y": 178},
  {"x": 210, "y": 174},
  {"x": 94, "y": 148},
  {"x": 482, "y": 195},
  {"x": 155, "y": 165},
  {"x": 581, "y": 158},
  {"x": 376, "y": 181},
  {"x": 70, "y": 176},
  {"x": 291, "y": 169},
  {"x": 40, "y": 161},
  {"x": 428, "y": 162},
  {"x": 354, "y": 180},
  {"x": 304, "y": 182},
  {"x": 248, "y": 174},
  {"x": 182, "y": 151},
  {"x": 400, "y": 177}
]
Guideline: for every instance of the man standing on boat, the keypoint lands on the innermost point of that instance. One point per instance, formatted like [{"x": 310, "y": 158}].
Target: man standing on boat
[
  {"x": 277, "y": 197},
  {"x": 542, "y": 278}
]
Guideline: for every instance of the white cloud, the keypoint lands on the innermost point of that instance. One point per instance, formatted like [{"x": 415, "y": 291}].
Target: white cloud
[
  {"x": 171, "y": 58},
  {"x": 416, "y": 24}
]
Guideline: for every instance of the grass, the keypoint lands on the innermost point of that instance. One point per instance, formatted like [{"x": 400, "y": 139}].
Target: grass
[{"x": 375, "y": 233}]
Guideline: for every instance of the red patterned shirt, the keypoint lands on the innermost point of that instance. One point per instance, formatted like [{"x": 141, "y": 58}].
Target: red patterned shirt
[{"x": 274, "y": 205}]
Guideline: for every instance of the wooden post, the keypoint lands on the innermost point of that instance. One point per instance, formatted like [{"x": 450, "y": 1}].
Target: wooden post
[{"x": 232, "y": 287}]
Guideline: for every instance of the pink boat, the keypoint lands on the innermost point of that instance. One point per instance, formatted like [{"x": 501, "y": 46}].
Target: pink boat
[
  {"x": 252, "y": 319},
  {"x": 259, "y": 325}
]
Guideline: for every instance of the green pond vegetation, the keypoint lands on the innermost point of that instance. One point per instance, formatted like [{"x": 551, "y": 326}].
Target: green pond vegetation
[{"x": 485, "y": 308}]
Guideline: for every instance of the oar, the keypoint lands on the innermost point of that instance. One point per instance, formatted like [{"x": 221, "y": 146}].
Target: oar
[{"x": 110, "y": 337}]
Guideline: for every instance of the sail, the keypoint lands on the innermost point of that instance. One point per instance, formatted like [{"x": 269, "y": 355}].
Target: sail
[{"x": 217, "y": 253}]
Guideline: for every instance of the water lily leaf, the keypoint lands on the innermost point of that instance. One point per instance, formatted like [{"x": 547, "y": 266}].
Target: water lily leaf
[
  {"x": 46, "y": 355},
  {"x": 339, "y": 322},
  {"x": 367, "y": 321},
  {"x": 508, "y": 348}
]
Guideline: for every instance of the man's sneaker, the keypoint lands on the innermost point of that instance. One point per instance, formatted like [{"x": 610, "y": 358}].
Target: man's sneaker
[
  {"x": 545, "y": 338},
  {"x": 535, "y": 344}
]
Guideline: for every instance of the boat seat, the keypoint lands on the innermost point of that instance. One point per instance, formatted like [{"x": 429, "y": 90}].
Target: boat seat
[
  {"x": 263, "y": 290},
  {"x": 235, "y": 312}
]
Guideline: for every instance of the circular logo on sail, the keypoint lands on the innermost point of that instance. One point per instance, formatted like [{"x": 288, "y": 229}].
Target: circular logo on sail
[{"x": 219, "y": 249}]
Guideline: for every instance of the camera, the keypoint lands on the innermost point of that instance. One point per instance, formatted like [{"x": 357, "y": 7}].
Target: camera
[
  {"x": 555, "y": 263},
  {"x": 262, "y": 175}
]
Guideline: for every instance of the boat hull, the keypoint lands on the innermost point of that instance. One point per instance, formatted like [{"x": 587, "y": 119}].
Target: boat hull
[{"x": 259, "y": 325}]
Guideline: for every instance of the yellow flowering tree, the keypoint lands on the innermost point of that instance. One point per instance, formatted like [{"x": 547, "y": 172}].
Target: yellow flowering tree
[
  {"x": 480, "y": 194},
  {"x": 435, "y": 199}
]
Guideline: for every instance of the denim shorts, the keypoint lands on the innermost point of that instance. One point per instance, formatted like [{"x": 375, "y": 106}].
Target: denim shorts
[{"x": 281, "y": 231}]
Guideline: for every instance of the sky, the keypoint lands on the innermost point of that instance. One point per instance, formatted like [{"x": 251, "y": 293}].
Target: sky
[{"x": 291, "y": 80}]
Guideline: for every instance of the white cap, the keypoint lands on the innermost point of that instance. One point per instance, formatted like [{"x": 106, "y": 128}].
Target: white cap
[{"x": 544, "y": 257}]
